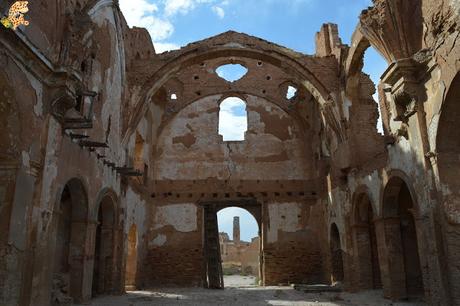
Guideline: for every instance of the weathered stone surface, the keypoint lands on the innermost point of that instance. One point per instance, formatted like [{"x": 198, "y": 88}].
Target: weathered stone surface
[{"x": 74, "y": 225}]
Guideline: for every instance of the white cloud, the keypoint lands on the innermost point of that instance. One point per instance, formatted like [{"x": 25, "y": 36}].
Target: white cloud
[
  {"x": 219, "y": 11},
  {"x": 173, "y": 7},
  {"x": 159, "y": 29},
  {"x": 141, "y": 13},
  {"x": 135, "y": 10},
  {"x": 232, "y": 120},
  {"x": 161, "y": 47},
  {"x": 157, "y": 19}
]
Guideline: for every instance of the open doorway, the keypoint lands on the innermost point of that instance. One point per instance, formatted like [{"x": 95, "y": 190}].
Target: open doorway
[
  {"x": 232, "y": 245},
  {"x": 239, "y": 247}
]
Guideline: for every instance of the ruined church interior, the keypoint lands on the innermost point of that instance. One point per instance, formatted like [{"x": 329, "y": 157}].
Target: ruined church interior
[{"x": 113, "y": 167}]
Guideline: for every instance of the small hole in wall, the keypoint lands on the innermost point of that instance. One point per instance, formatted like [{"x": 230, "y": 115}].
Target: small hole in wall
[
  {"x": 198, "y": 93},
  {"x": 291, "y": 92},
  {"x": 269, "y": 78},
  {"x": 264, "y": 91},
  {"x": 173, "y": 96},
  {"x": 196, "y": 77},
  {"x": 259, "y": 63}
]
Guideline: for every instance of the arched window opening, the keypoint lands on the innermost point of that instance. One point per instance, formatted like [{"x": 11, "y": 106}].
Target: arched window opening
[
  {"x": 173, "y": 96},
  {"x": 240, "y": 247},
  {"x": 231, "y": 72},
  {"x": 375, "y": 65},
  {"x": 233, "y": 120}
]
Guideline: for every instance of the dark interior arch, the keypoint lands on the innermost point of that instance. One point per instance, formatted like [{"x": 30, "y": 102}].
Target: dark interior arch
[
  {"x": 70, "y": 219},
  {"x": 336, "y": 255},
  {"x": 401, "y": 239},
  {"x": 365, "y": 243}
]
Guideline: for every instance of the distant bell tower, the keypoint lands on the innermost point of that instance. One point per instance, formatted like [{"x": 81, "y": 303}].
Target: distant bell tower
[{"x": 236, "y": 229}]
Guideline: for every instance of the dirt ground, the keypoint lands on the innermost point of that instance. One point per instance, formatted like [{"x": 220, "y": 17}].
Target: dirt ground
[
  {"x": 240, "y": 290},
  {"x": 239, "y": 281}
]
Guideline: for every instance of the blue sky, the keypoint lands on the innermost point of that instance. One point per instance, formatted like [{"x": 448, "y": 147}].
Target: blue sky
[{"x": 290, "y": 23}]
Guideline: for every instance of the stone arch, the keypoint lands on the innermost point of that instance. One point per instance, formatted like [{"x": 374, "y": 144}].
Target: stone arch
[
  {"x": 277, "y": 58},
  {"x": 359, "y": 94},
  {"x": 448, "y": 163},
  {"x": 105, "y": 243},
  {"x": 365, "y": 241},
  {"x": 399, "y": 211},
  {"x": 70, "y": 220},
  {"x": 131, "y": 259},
  {"x": 336, "y": 254}
]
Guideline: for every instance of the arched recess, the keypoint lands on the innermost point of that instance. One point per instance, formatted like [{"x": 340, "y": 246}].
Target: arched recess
[
  {"x": 70, "y": 220},
  {"x": 105, "y": 243},
  {"x": 365, "y": 243},
  {"x": 448, "y": 162},
  {"x": 405, "y": 276},
  {"x": 131, "y": 259},
  {"x": 336, "y": 255}
]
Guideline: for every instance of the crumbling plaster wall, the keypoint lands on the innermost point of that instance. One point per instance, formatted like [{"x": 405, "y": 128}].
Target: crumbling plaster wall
[{"x": 191, "y": 148}]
